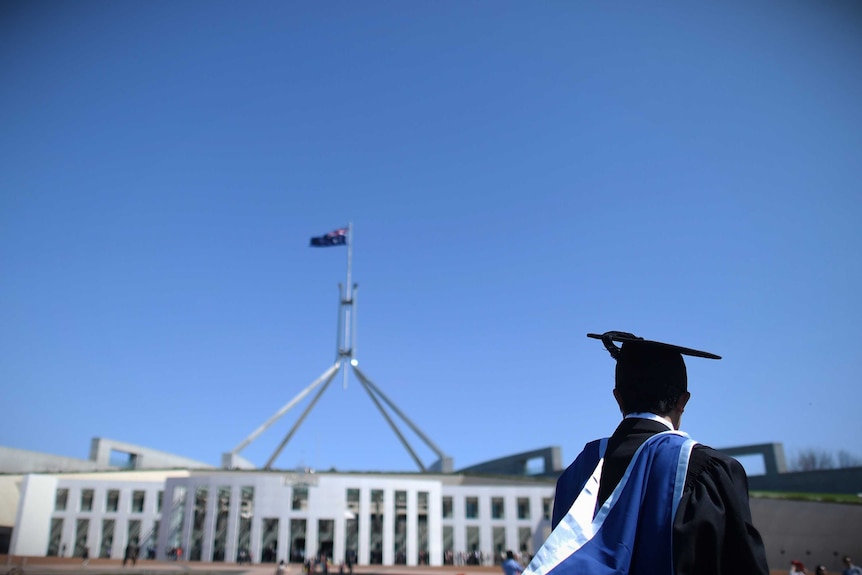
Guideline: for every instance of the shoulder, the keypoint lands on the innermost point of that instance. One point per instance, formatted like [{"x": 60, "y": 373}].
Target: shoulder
[{"x": 708, "y": 464}]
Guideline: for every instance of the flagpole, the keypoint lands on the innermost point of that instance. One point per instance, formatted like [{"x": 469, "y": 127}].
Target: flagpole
[{"x": 348, "y": 297}]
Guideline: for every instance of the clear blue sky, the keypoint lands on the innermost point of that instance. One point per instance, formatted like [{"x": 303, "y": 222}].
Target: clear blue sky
[{"x": 518, "y": 174}]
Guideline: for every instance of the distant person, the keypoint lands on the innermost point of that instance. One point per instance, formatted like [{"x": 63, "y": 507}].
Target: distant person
[
  {"x": 511, "y": 566},
  {"x": 821, "y": 570},
  {"x": 63, "y": 550},
  {"x": 612, "y": 509},
  {"x": 850, "y": 568},
  {"x": 280, "y": 570},
  {"x": 127, "y": 555},
  {"x": 85, "y": 555},
  {"x": 797, "y": 568}
]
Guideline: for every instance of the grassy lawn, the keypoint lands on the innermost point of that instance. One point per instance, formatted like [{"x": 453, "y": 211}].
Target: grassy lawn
[{"x": 822, "y": 497}]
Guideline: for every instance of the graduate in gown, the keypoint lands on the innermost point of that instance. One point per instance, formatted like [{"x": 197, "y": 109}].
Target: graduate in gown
[{"x": 709, "y": 520}]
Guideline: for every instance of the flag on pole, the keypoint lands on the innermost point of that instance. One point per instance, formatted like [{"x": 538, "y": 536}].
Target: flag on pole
[{"x": 334, "y": 238}]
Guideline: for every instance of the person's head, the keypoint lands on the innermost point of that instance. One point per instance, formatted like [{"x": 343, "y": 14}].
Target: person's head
[
  {"x": 821, "y": 570},
  {"x": 650, "y": 375},
  {"x": 650, "y": 378},
  {"x": 848, "y": 560},
  {"x": 510, "y": 555}
]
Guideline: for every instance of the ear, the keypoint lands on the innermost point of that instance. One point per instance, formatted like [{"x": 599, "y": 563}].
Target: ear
[
  {"x": 680, "y": 403},
  {"x": 619, "y": 400}
]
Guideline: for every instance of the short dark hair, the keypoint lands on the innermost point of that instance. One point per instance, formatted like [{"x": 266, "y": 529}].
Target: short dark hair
[{"x": 649, "y": 378}]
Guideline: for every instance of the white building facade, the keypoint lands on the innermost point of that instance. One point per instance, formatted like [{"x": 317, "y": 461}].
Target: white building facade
[{"x": 267, "y": 516}]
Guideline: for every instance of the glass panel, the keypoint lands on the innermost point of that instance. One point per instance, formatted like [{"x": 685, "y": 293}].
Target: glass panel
[
  {"x": 112, "y": 500},
  {"x": 525, "y": 536},
  {"x": 56, "y": 535},
  {"x": 325, "y": 538},
  {"x": 138, "y": 501},
  {"x": 177, "y": 515},
  {"x": 353, "y": 500},
  {"x": 498, "y": 510},
  {"x": 134, "y": 537},
  {"x": 447, "y": 508},
  {"x": 300, "y": 498},
  {"x": 107, "y": 538},
  {"x": 246, "y": 513},
  {"x": 151, "y": 540},
  {"x": 422, "y": 519},
  {"x": 351, "y": 541},
  {"x": 546, "y": 508},
  {"x": 159, "y": 498},
  {"x": 523, "y": 508},
  {"x": 499, "y": 534},
  {"x": 198, "y": 524},
  {"x": 222, "y": 509},
  {"x": 474, "y": 557},
  {"x": 86, "y": 500},
  {"x": 376, "y": 540},
  {"x": 400, "y": 528},
  {"x": 269, "y": 540},
  {"x": 448, "y": 545},
  {"x": 60, "y": 499},
  {"x": 82, "y": 526},
  {"x": 471, "y": 508},
  {"x": 297, "y": 540}
]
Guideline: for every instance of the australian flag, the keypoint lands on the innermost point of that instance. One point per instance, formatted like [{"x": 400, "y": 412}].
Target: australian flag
[{"x": 334, "y": 238}]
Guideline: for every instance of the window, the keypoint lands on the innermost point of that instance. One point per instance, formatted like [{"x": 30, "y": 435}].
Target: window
[
  {"x": 54, "y": 539},
  {"x": 297, "y": 540},
  {"x": 86, "y": 500},
  {"x": 159, "y": 497},
  {"x": 107, "y": 538},
  {"x": 400, "y": 535},
  {"x": 82, "y": 528},
  {"x": 222, "y": 509},
  {"x": 198, "y": 518},
  {"x": 300, "y": 498},
  {"x": 246, "y": 513},
  {"x": 471, "y": 508},
  {"x": 523, "y": 508},
  {"x": 269, "y": 540},
  {"x": 375, "y": 542},
  {"x": 353, "y": 500},
  {"x": 499, "y": 535},
  {"x": 525, "y": 536},
  {"x": 448, "y": 545},
  {"x": 473, "y": 545},
  {"x": 546, "y": 507},
  {"x": 61, "y": 499},
  {"x": 112, "y": 501},
  {"x": 138, "y": 501},
  {"x": 447, "y": 508},
  {"x": 498, "y": 510}
]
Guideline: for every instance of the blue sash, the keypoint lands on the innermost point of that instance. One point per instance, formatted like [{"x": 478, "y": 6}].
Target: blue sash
[{"x": 632, "y": 532}]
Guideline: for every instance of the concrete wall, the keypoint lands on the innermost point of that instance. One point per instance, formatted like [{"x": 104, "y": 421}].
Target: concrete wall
[
  {"x": 517, "y": 464},
  {"x": 22, "y": 461},
  {"x": 142, "y": 457},
  {"x": 33, "y": 523},
  {"x": 847, "y": 480},
  {"x": 811, "y": 532}
]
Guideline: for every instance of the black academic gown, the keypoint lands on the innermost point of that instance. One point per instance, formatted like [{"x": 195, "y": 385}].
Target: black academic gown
[{"x": 712, "y": 532}]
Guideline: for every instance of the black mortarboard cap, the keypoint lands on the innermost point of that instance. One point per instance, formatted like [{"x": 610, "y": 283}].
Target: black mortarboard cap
[
  {"x": 624, "y": 337},
  {"x": 648, "y": 366}
]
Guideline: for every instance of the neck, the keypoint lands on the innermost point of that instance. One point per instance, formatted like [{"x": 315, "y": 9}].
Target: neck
[{"x": 665, "y": 419}]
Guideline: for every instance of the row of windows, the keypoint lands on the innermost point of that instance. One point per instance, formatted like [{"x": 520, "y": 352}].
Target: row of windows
[
  {"x": 299, "y": 502},
  {"x": 498, "y": 508},
  {"x": 112, "y": 500}
]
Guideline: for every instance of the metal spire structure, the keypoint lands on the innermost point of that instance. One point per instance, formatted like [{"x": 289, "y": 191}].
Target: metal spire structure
[{"x": 345, "y": 359}]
